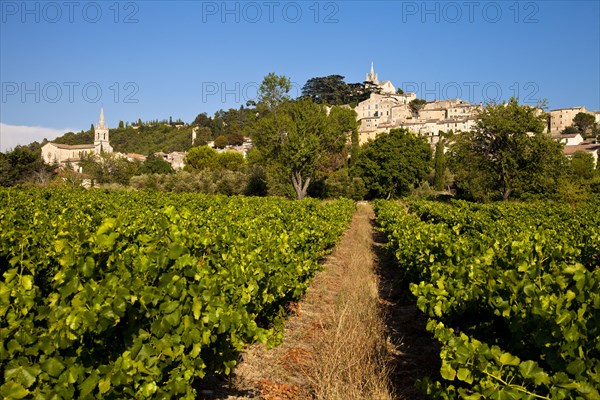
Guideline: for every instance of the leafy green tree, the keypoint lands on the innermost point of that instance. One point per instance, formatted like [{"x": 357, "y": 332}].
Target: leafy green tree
[
  {"x": 23, "y": 164},
  {"x": 201, "y": 157},
  {"x": 235, "y": 139},
  {"x": 221, "y": 142},
  {"x": 274, "y": 90},
  {"x": 121, "y": 125},
  {"x": 584, "y": 122},
  {"x": 582, "y": 165},
  {"x": 440, "y": 166},
  {"x": 231, "y": 160},
  {"x": 203, "y": 136},
  {"x": 504, "y": 152},
  {"x": 399, "y": 91},
  {"x": 332, "y": 90},
  {"x": 109, "y": 168},
  {"x": 292, "y": 144},
  {"x": 156, "y": 165},
  {"x": 393, "y": 164}
]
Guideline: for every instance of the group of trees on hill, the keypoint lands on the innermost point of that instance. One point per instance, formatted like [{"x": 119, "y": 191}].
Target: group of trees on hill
[
  {"x": 332, "y": 90},
  {"x": 309, "y": 147}
]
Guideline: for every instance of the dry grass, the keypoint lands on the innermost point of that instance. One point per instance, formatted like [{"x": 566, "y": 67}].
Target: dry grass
[
  {"x": 334, "y": 344},
  {"x": 350, "y": 359}
]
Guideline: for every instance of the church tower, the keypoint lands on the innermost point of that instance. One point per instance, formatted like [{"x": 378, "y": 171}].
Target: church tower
[
  {"x": 101, "y": 140},
  {"x": 372, "y": 76}
]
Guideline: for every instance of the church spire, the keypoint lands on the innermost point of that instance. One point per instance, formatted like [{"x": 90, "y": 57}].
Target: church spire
[
  {"x": 372, "y": 76},
  {"x": 101, "y": 123}
]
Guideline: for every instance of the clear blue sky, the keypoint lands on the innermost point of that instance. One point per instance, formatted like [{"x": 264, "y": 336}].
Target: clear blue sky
[{"x": 155, "y": 59}]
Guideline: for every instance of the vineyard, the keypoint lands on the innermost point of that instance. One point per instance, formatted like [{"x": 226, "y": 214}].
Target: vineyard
[
  {"x": 140, "y": 295},
  {"x": 512, "y": 293}
]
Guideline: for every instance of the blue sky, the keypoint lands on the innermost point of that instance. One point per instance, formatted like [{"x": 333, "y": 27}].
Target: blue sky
[{"x": 59, "y": 61}]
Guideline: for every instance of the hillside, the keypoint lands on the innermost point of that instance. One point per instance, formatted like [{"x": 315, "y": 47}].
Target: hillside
[{"x": 143, "y": 140}]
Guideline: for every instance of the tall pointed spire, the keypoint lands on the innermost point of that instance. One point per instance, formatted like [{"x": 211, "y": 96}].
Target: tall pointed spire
[
  {"x": 372, "y": 76},
  {"x": 101, "y": 123}
]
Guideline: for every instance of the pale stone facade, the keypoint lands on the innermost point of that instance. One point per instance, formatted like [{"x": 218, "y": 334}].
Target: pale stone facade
[
  {"x": 382, "y": 112},
  {"x": 563, "y": 117},
  {"x": 72, "y": 154}
]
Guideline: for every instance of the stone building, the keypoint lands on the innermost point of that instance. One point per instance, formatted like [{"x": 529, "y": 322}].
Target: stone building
[
  {"x": 57, "y": 153},
  {"x": 387, "y": 110},
  {"x": 563, "y": 117}
]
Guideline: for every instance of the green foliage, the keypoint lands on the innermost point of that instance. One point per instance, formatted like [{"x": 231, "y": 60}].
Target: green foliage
[
  {"x": 221, "y": 142},
  {"x": 582, "y": 165},
  {"x": 24, "y": 164},
  {"x": 274, "y": 90},
  {"x": 332, "y": 90},
  {"x": 204, "y": 157},
  {"x": 156, "y": 165},
  {"x": 299, "y": 140},
  {"x": 584, "y": 122},
  {"x": 138, "y": 295},
  {"x": 512, "y": 293},
  {"x": 506, "y": 152},
  {"x": 440, "y": 166},
  {"x": 393, "y": 164},
  {"x": 201, "y": 157},
  {"x": 109, "y": 168},
  {"x": 141, "y": 139}
]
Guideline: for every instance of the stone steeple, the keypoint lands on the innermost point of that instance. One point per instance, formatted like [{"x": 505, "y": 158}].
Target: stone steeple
[
  {"x": 101, "y": 138},
  {"x": 372, "y": 76},
  {"x": 101, "y": 123}
]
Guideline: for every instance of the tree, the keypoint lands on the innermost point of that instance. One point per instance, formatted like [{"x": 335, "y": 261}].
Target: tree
[
  {"x": 109, "y": 168},
  {"x": 22, "y": 164},
  {"x": 440, "y": 166},
  {"x": 393, "y": 164},
  {"x": 399, "y": 91},
  {"x": 121, "y": 125},
  {"x": 416, "y": 105},
  {"x": 156, "y": 165},
  {"x": 327, "y": 90},
  {"x": 231, "y": 160},
  {"x": 293, "y": 144},
  {"x": 235, "y": 139},
  {"x": 505, "y": 151},
  {"x": 584, "y": 122},
  {"x": 582, "y": 165},
  {"x": 201, "y": 157},
  {"x": 274, "y": 90},
  {"x": 221, "y": 142},
  {"x": 332, "y": 90}
]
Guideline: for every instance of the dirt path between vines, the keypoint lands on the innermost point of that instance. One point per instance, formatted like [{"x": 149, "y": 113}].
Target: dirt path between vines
[{"x": 354, "y": 335}]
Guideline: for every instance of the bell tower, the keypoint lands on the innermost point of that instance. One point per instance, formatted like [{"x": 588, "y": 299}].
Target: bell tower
[{"x": 101, "y": 136}]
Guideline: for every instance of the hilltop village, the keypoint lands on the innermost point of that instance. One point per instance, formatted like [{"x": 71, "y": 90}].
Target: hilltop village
[{"x": 386, "y": 108}]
